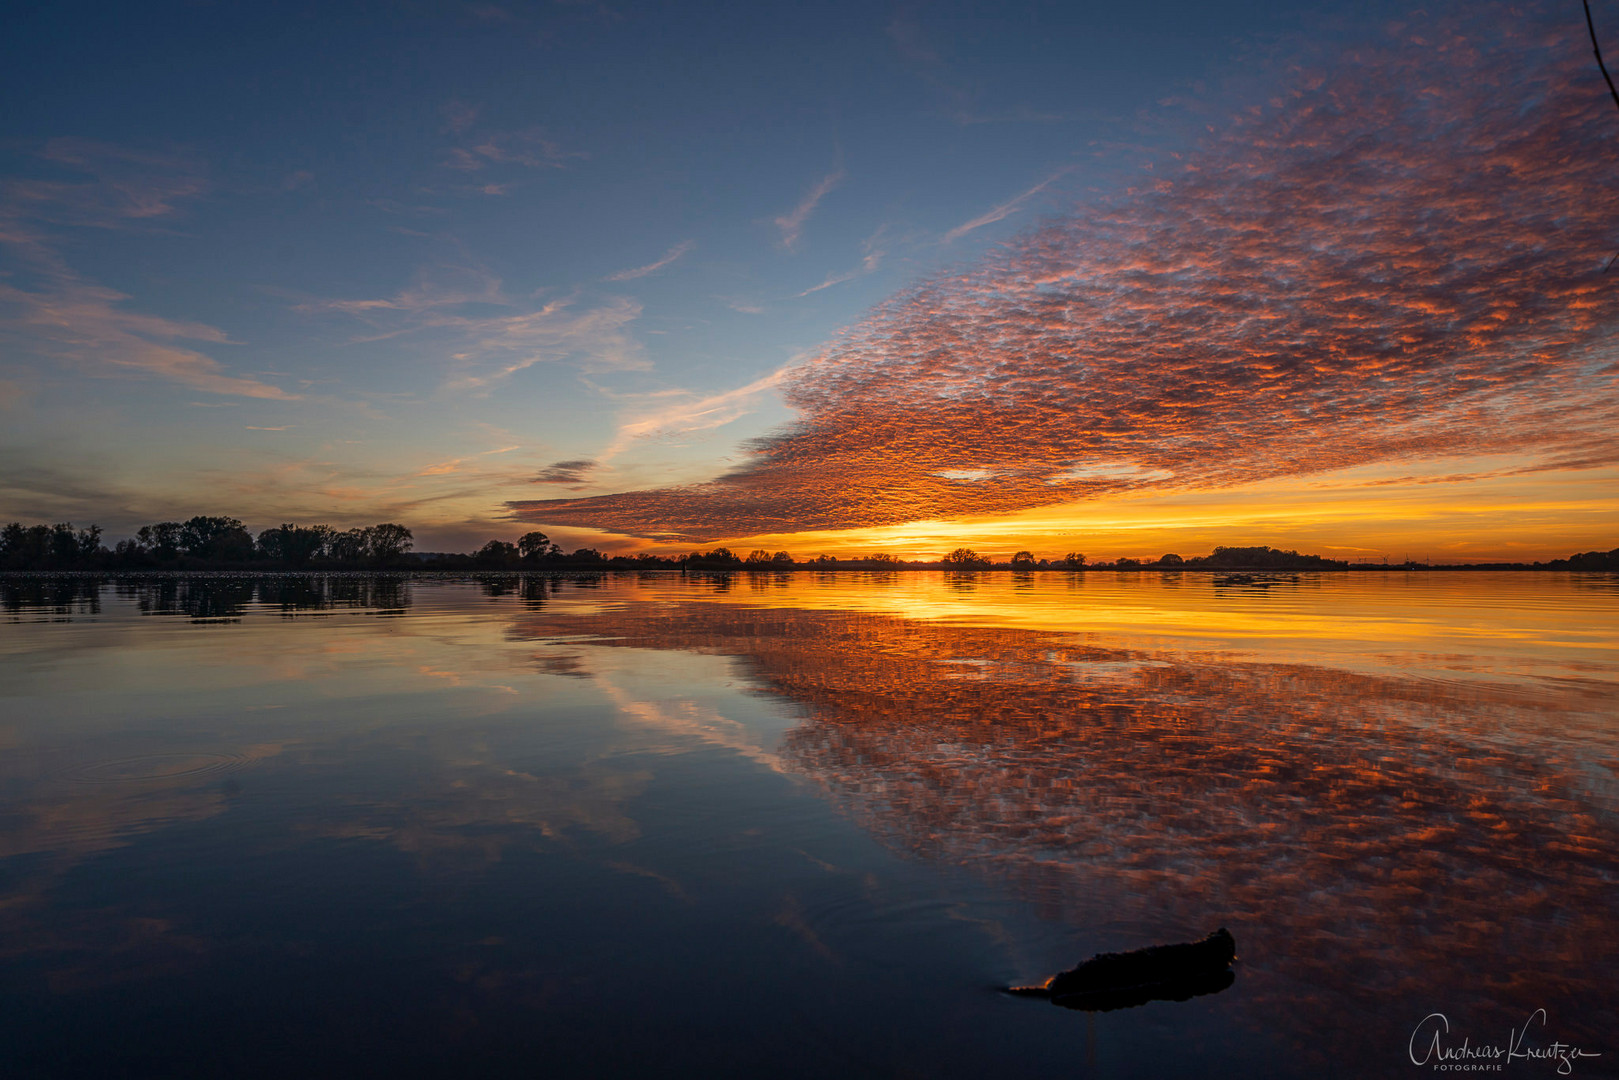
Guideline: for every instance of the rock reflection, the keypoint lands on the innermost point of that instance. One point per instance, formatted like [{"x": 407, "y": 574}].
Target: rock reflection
[
  {"x": 1383, "y": 847},
  {"x": 1183, "y": 989}
]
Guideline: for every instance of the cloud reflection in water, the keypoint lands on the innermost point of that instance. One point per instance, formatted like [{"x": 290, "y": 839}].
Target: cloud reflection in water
[{"x": 1381, "y": 847}]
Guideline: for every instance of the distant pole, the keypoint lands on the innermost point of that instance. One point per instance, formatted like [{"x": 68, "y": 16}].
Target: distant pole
[{"x": 1597, "y": 51}]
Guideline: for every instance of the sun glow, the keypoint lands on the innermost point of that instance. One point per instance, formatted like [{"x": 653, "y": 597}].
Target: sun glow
[{"x": 1368, "y": 513}]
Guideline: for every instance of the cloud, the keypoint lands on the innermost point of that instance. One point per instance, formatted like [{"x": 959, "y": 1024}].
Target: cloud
[
  {"x": 594, "y": 338},
  {"x": 450, "y": 310},
  {"x": 869, "y": 263},
  {"x": 1400, "y": 257},
  {"x": 446, "y": 286},
  {"x": 919, "y": 52},
  {"x": 566, "y": 472},
  {"x": 61, "y": 489},
  {"x": 686, "y": 416},
  {"x": 652, "y": 268},
  {"x": 53, "y": 311},
  {"x": 118, "y": 187},
  {"x": 458, "y": 115},
  {"x": 85, "y": 325},
  {"x": 1005, "y": 210},
  {"x": 529, "y": 147},
  {"x": 792, "y": 224},
  {"x": 1104, "y": 783}
]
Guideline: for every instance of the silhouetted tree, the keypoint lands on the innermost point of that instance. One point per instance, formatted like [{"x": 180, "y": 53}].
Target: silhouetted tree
[
  {"x": 1023, "y": 560},
  {"x": 1171, "y": 560},
  {"x": 351, "y": 545},
  {"x": 129, "y": 552},
  {"x": 388, "y": 541},
  {"x": 46, "y": 546},
  {"x": 14, "y": 542},
  {"x": 965, "y": 558},
  {"x": 497, "y": 553},
  {"x": 757, "y": 557},
  {"x": 295, "y": 545},
  {"x": 221, "y": 538},
  {"x": 719, "y": 559},
  {"x": 1074, "y": 560},
  {"x": 1594, "y": 560},
  {"x": 64, "y": 546},
  {"x": 27, "y": 545},
  {"x": 1127, "y": 563},
  {"x": 89, "y": 542},
  {"x": 781, "y": 558},
  {"x": 1261, "y": 558},
  {"x": 534, "y": 546},
  {"x": 161, "y": 539}
]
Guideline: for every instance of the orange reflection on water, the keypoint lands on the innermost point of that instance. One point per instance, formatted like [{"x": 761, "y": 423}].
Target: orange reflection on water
[
  {"x": 1383, "y": 847},
  {"x": 1506, "y": 624}
]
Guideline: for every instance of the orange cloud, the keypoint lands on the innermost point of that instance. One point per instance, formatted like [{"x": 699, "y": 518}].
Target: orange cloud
[{"x": 1400, "y": 258}]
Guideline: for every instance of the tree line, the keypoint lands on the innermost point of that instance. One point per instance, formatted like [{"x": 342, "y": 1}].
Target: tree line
[
  {"x": 208, "y": 542},
  {"x": 205, "y": 542}
]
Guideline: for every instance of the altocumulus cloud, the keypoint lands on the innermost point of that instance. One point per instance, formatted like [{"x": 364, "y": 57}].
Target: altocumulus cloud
[
  {"x": 565, "y": 472},
  {"x": 1399, "y": 257}
]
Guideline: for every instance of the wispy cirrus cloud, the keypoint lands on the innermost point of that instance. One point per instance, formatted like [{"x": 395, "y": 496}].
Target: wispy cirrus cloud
[
  {"x": 529, "y": 147},
  {"x": 484, "y": 336},
  {"x": 458, "y": 115},
  {"x": 1399, "y": 258},
  {"x": 105, "y": 186},
  {"x": 791, "y": 223},
  {"x": 479, "y": 146},
  {"x": 1005, "y": 209},
  {"x": 87, "y": 326},
  {"x": 681, "y": 413},
  {"x": 669, "y": 257},
  {"x": 49, "y": 309},
  {"x": 872, "y": 252}
]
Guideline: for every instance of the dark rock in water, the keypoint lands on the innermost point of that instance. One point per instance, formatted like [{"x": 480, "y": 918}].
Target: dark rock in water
[
  {"x": 1181, "y": 989},
  {"x": 1157, "y": 973}
]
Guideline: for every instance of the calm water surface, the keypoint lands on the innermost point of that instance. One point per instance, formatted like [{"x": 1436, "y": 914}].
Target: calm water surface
[{"x": 800, "y": 825}]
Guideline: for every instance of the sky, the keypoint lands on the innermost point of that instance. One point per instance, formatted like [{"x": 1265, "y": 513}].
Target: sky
[{"x": 829, "y": 278}]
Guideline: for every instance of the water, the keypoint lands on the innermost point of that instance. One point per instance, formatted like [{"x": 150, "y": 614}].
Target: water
[{"x": 800, "y": 825}]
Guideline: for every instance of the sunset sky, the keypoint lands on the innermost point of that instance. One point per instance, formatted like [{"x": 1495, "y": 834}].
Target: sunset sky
[{"x": 837, "y": 278}]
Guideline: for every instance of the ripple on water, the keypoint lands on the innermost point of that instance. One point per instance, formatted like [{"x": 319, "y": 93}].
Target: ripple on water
[{"x": 155, "y": 767}]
